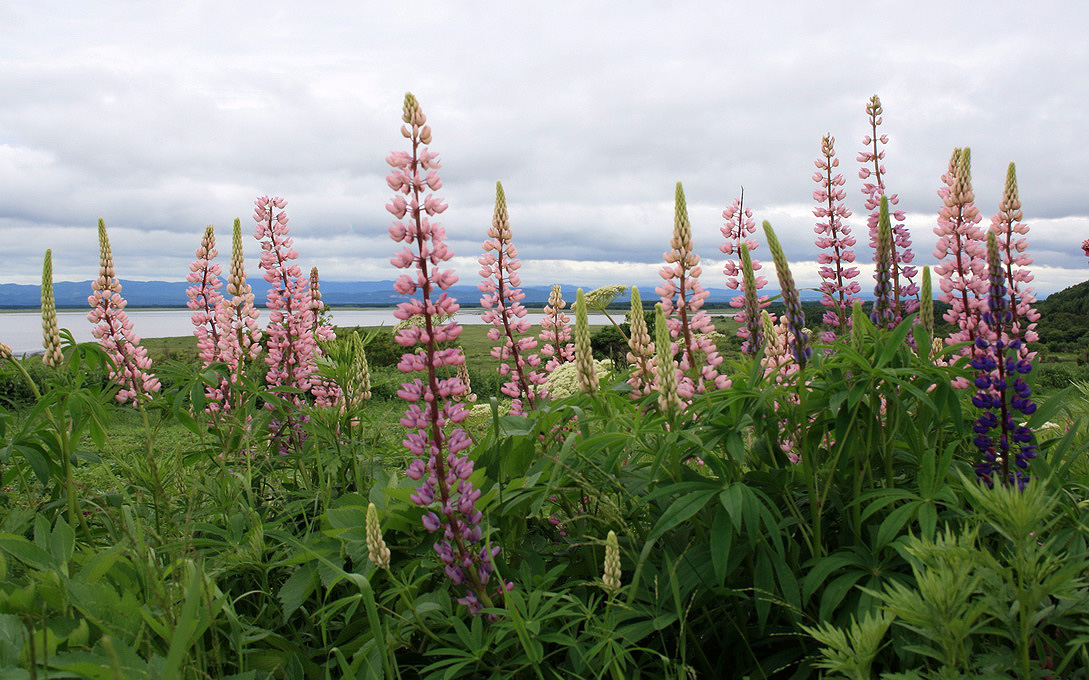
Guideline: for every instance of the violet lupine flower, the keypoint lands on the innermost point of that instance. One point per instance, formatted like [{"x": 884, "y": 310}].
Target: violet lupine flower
[
  {"x": 113, "y": 330},
  {"x": 205, "y": 298},
  {"x": 682, "y": 297},
  {"x": 291, "y": 345},
  {"x": 799, "y": 342},
  {"x": 502, "y": 302},
  {"x": 239, "y": 335},
  {"x": 1006, "y": 453},
  {"x": 641, "y": 354},
  {"x": 50, "y": 329},
  {"x": 1007, "y": 226},
  {"x": 833, "y": 234},
  {"x": 884, "y": 305},
  {"x": 739, "y": 225},
  {"x": 555, "y": 334},
  {"x": 446, "y": 494},
  {"x": 904, "y": 289},
  {"x": 961, "y": 260}
]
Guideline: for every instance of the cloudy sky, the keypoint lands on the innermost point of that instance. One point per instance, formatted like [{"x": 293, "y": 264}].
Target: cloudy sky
[{"x": 164, "y": 120}]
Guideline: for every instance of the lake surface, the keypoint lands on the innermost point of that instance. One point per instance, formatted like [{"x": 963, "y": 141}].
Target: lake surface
[{"x": 22, "y": 331}]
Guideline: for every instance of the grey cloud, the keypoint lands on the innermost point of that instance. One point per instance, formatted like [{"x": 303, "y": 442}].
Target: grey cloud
[{"x": 162, "y": 121}]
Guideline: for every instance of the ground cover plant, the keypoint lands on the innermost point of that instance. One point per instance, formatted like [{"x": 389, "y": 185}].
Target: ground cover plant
[{"x": 862, "y": 492}]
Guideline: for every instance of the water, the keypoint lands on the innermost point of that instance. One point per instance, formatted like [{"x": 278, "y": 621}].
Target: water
[{"x": 22, "y": 331}]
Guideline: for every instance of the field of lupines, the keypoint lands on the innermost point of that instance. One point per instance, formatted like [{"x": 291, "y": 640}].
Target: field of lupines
[{"x": 854, "y": 496}]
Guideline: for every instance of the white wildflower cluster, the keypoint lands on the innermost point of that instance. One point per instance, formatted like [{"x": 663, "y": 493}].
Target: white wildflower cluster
[
  {"x": 480, "y": 415},
  {"x": 564, "y": 380}
]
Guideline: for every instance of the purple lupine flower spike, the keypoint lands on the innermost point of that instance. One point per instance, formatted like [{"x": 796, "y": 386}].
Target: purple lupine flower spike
[
  {"x": 903, "y": 288},
  {"x": 446, "y": 494},
  {"x": 834, "y": 235},
  {"x": 502, "y": 302},
  {"x": 739, "y": 228},
  {"x": 1006, "y": 445}
]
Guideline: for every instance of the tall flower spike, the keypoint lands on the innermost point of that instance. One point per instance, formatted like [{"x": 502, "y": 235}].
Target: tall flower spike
[
  {"x": 884, "y": 305},
  {"x": 858, "y": 327},
  {"x": 377, "y": 551},
  {"x": 502, "y": 302},
  {"x": 961, "y": 261},
  {"x": 641, "y": 355},
  {"x": 799, "y": 343},
  {"x": 682, "y": 298},
  {"x": 323, "y": 325},
  {"x": 50, "y": 329},
  {"x": 360, "y": 388},
  {"x": 239, "y": 335},
  {"x": 1012, "y": 246},
  {"x": 926, "y": 305},
  {"x": 754, "y": 340},
  {"x": 903, "y": 272},
  {"x": 290, "y": 343},
  {"x": 446, "y": 494},
  {"x": 610, "y": 579},
  {"x": 205, "y": 298},
  {"x": 739, "y": 227},
  {"x": 555, "y": 332},
  {"x": 326, "y": 391},
  {"x": 1006, "y": 454},
  {"x": 665, "y": 368},
  {"x": 584, "y": 358},
  {"x": 1085, "y": 246},
  {"x": 113, "y": 330},
  {"x": 834, "y": 235}
]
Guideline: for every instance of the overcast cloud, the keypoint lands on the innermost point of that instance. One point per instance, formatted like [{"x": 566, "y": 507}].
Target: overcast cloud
[{"x": 162, "y": 119}]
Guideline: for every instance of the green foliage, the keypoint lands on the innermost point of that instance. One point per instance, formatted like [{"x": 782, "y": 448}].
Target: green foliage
[{"x": 201, "y": 551}]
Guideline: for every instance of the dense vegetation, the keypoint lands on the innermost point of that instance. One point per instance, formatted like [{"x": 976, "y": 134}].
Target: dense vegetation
[{"x": 869, "y": 494}]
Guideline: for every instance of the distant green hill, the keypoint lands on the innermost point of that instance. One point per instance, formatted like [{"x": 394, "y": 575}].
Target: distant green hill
[{"x": 1064, "y": 319}]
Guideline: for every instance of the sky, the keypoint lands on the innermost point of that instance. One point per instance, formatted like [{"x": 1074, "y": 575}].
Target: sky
[{"x": 162, "y": 118}]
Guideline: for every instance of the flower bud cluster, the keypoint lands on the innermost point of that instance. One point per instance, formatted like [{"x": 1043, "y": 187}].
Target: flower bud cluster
[
  {"x": 795, "y": 317},
  {"x": 665, "y": 367},
  {"x": 584, "y": 356},
  {"x": 641, "y": 354},
  {"x": 50, "y": 329},
  {"x": 114, "y": 331},
  {"x": 739, "y": 227},
  {"x": 446, "y": 494},
  {"x": 834, "y": 235},
  {"x": 682, "y": 299},
  {"x": 884, "y": 304},
  {"x": 502, "y": 302}
]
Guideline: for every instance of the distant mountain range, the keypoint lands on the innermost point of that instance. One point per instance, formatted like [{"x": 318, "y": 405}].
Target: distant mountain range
[{"x": 69, "y": 294}]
